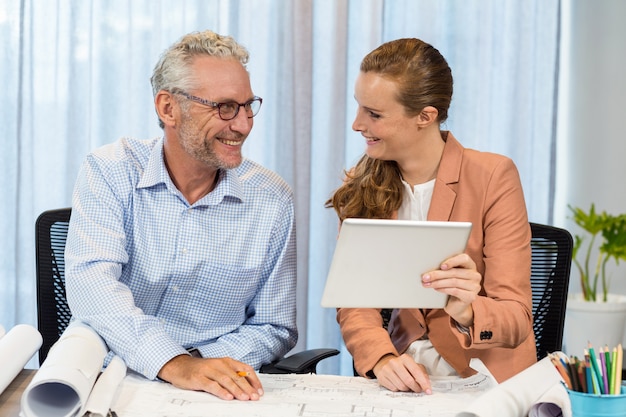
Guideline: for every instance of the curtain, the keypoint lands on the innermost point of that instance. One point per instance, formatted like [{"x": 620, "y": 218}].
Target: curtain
[{"x": 75, "y": 76}]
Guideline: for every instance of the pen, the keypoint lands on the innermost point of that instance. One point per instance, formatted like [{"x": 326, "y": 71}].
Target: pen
[{"x": 243, "y": 373}]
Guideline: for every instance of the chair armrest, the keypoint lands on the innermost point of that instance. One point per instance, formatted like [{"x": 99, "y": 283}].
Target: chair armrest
[{"x": 304, "y": 362}]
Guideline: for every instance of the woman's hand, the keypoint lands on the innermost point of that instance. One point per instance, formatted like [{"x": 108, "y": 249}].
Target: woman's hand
[
  {"x": 458, "y": 278},
  {"x": 402, "y": 373}
]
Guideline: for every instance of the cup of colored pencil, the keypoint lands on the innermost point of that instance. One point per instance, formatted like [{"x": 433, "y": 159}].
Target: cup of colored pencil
[{"x": 594, "y": 381}]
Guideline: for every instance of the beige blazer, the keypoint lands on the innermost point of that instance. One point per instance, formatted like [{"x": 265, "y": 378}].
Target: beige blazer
[{"x": 485, "y": 189}]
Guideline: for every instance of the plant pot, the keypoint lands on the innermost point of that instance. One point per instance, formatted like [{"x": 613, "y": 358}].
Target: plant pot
[{"x": 599, "y": 323}]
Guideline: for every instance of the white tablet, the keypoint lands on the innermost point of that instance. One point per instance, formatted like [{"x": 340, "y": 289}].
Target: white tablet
[{"x": 378, "y": 263}]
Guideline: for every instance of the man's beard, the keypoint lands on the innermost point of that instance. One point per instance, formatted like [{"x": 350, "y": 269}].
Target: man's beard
[{"x": 202, "y": 149}]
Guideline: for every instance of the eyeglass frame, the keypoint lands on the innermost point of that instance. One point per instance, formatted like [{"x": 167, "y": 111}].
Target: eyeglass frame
[{"x": 218, "y": 106}]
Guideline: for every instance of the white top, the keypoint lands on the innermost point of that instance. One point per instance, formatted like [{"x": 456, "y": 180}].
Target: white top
[
  {"x": 415, "y": 205},
  {"x": 416, "y": 202}
]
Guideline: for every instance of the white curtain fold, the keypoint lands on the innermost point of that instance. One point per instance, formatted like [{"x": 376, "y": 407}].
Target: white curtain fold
[{"x": 75, "y": 75}]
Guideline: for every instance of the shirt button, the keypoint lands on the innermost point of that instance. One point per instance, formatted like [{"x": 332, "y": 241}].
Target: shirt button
[
  {"x": 175, "y": 288},
  {"x": 184, "y": 250}
]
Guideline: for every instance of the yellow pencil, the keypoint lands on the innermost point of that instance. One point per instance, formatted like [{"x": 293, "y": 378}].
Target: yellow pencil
[
  {"x": 618, "y": 370},
  {"x": 243, "y": 373},
  {"x": 613, "y": 370}
]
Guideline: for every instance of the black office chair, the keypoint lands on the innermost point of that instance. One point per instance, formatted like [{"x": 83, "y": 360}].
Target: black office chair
[
  {"x": 549, "y": 277},
  {"x": 53, "y": 312}
]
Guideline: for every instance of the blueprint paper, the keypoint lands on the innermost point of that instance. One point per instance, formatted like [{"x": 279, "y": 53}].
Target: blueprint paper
[
  {"x": 64, "y": 381},
  {"x": 301, "y": 395},
  {"x": 16, "y": 348},
  {"x": 1, "y": 331}
]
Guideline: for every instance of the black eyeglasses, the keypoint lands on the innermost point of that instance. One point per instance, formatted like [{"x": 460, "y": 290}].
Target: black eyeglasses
[{"x": 230, "y": 109}]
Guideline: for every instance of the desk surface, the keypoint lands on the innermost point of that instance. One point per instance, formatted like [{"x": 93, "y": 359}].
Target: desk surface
[{"x": 10, "y": 398}]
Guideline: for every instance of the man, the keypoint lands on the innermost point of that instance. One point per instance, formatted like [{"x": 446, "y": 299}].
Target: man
[{"x": 181, "y": 253}]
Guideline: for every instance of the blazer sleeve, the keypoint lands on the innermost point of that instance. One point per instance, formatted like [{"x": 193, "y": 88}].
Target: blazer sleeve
[
  {"x": 363, "y": 332},
  {"x": 503, "y": 312}
]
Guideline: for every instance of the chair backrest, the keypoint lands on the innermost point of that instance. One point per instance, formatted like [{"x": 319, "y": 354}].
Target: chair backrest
[
  {"x": 53, "y": 313},
  {"x": 549, "y": 276}
]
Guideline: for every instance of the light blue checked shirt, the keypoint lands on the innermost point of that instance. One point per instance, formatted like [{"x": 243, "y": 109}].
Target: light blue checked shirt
[{"x": 154, "y": 275}]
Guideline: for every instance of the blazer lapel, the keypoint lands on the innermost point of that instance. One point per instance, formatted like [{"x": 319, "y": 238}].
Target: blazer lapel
[{"x": 444, "y": 193}]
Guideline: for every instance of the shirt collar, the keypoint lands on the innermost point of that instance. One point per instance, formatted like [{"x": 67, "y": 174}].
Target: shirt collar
[
  {"x": 228, "y": 185},
  {"x": 228, "y": 182},
  {"x": 155, "y": 171}
]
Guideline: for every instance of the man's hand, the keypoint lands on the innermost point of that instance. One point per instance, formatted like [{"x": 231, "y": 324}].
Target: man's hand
[
  {"x": 402, "y": 373},
  {"x": 225, "y": 378}
]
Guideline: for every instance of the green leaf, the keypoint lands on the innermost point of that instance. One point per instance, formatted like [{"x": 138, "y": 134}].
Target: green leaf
[{"x": 611, "y": 230}]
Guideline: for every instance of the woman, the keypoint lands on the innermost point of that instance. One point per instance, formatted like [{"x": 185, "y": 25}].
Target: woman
[{"x": 413, "y": 170}]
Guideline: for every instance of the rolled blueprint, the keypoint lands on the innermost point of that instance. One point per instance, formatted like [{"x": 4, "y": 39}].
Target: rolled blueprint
[
  {"x": 16, "y": 348},
  {"x": 104, "y": 391},
  {"x": 1, "y": 331},
  {"x": 62, "y": 385},
  {"x": 535, "y": 388}
]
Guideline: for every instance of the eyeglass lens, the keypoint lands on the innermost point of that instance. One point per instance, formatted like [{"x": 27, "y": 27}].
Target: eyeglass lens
[{"x": 229, "y": 110}]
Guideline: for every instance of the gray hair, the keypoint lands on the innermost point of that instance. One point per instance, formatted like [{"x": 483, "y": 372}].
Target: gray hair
[{"x": 172, "y": 72}]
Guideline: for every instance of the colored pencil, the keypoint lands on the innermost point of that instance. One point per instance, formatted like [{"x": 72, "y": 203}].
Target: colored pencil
[
  {"x": 609, "y": 369},
  {"x": 582, "y": 376},
  {"x": 573, "y": 373},
  {"x": 592, "y": 379},
  {"x": 595, "y": 367},
  {"x": 603, "y": 370},
  {"x": 613, "y": 369},
  {"x": 562, "y": 370},
  {"x": 588, "y": 374},
  {"x": 618, "y": 370}
]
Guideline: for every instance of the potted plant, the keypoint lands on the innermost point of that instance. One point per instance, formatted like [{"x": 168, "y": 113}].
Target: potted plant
[
  {"x": 612, "y": 230},
  {"x": 596, "y": 315}
]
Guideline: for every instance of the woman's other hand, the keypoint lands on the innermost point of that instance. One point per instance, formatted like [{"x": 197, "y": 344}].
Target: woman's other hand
[{"x": 402, "y": 373}]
